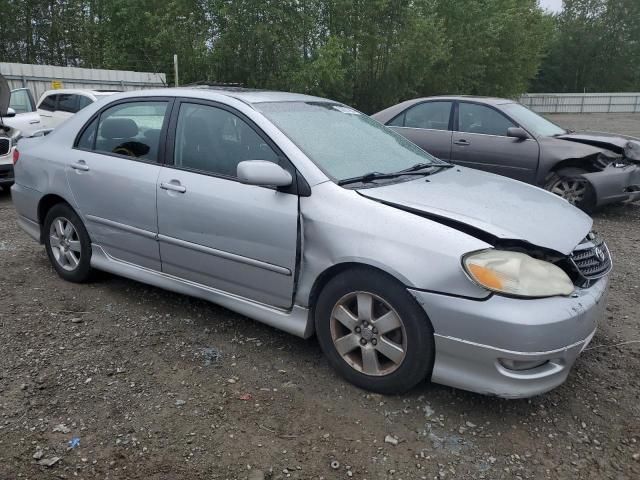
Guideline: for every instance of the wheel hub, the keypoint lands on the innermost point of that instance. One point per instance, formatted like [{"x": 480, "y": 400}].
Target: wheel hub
[{"x": 368, "y": 333}]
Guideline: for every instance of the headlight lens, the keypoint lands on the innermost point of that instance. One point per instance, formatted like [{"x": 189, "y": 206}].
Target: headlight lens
[{"x": 515, "y": 273}]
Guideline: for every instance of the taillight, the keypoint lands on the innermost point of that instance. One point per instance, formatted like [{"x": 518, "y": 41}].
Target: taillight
[{"x": 16, "y": 156}]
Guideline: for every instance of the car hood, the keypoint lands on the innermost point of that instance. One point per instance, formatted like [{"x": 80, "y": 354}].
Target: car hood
[
  {"x": 609, "y": 141},
  {"x": 475, "y": 201}
]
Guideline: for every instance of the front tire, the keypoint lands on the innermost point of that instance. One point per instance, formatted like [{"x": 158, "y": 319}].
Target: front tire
[
  {"x": 67, "y": 243},
  {"x": 373, "y": 332},
  {"x": 568, "y": 183}
]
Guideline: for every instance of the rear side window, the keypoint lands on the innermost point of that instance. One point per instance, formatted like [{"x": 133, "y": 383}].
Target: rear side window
[
  {"x": 474, "y": 118},
  {"x": 67, "y": 103},
  {"x": 48, "y": 103},
  {"x": 129, "y": 129},
  {"x": 83, "y": 102},
  {"x": 431, "y": 115},
  {"x": 21, "y": 101}
]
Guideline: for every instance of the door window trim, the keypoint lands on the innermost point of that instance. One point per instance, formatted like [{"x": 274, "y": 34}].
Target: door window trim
[
  {"x": 299, "y": 186},
  {"x": 97, "y": 116},
  {"x": 439, "y": 100}
]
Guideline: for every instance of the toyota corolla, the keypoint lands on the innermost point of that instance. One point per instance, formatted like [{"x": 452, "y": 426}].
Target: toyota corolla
[{"x": 309, "y": 216}]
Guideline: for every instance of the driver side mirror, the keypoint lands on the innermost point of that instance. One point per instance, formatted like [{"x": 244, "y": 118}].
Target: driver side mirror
[
  {"x": 10, "y": 113},
  {"x": 263, "y": 173},
  {"x": 517, "y": 132}
]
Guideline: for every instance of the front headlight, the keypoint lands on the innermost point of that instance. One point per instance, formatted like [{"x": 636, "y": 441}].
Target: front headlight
[{"x": 517, "y": 274}]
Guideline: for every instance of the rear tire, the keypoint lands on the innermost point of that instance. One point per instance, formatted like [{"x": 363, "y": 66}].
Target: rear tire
[
  {"x": 568, "y": 183},
  {"x": 373, "y": 332},
  {"x": 67, "y": 243}
]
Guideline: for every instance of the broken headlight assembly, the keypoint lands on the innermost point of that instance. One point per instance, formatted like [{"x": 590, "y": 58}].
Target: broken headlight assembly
[{"x": 516, "y": 274}]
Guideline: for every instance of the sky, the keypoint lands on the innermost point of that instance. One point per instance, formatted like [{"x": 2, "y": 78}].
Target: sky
[{"x": 552, "y": 5}]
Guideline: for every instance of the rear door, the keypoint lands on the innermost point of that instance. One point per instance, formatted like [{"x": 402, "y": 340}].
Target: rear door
[
  {"x": 480, "y": 141},
  {"x": 113, "y": 176},
  {"x": 428, "y": 125},
  {"x": 213, "y": 229}
]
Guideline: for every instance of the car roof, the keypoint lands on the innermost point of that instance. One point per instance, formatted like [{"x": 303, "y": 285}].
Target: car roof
[
  {"x": 473, "y": 98},
  {"x": 96, "y": 93},
  {"x": 246, "y": 95}
]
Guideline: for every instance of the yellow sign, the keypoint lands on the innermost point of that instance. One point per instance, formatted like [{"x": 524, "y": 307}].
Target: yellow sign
[{"x": 56, "y": 84}]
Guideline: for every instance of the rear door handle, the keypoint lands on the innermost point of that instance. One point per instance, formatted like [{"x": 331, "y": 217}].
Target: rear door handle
[
  {"x": 173, "y": 187},
  {"x": 33, "y": 122},
  {"x": 80, "y": 165},
  {"x": 462, "y": 141}
]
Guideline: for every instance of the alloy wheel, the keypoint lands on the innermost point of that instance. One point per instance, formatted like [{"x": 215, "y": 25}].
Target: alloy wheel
[
  {"x": 572, "y": 190},
  {"x": 65, "y": 243},
  {"x": 368, "y": 333}
]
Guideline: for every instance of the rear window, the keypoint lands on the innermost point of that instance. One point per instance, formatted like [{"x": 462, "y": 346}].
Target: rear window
[{"x": 48, "y": 103}]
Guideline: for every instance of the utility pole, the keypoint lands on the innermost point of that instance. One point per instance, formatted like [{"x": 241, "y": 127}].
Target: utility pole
[{"x": 175, "y": 68}]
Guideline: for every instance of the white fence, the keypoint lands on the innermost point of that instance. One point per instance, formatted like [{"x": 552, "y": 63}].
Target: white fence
[
  {"x": 582, "y": 102},
  {"x": 40, "y": 78}
]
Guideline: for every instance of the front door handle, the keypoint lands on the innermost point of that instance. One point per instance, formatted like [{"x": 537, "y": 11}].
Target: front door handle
[
  {"x": 80, "y": 165},
  {"x": 462, "y": 141},
  {"x": 33, "y": 122},
  {"x": 174, "y": 187}
]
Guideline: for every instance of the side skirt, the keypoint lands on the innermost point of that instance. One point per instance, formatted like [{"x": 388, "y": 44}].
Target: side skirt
[{"x": 295, "y": 321}]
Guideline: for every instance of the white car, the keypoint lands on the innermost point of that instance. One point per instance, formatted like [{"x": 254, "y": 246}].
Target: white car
[{"x": 55, "y": 106}]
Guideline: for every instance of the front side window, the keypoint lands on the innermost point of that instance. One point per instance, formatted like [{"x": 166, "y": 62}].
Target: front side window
[
  {"x": 131, "y": 129},
  {"x": 214, "y": 140},
  {"x": 67, "y": 103},
  {"x": 21, "y": 101},
  {"x": 343, "y": 142},
  {"x": 48, "y": 103},
  {"x": 474, "y": 118},
  {"x": 532, "y": 121},
  {"x": 431, "y": 115}
]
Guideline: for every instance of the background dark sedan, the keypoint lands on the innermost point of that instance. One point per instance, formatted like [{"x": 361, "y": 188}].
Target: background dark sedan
[{"x": 497, "y": 135}]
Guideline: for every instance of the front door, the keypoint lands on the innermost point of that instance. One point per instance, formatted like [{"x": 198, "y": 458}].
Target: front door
[
  {"x": 113, "y": 177},
  {"x": 481, "y": 142},
  {"x": 214, "y": 230}
]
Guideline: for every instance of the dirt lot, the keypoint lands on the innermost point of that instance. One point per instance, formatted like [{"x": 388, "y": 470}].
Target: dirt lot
[{"x": 161, "y": 386}]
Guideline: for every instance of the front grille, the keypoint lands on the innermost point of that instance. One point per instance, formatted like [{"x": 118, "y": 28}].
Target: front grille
[
  {"x": 5, "y": 145},
  {"x": 592, "y": 258}
]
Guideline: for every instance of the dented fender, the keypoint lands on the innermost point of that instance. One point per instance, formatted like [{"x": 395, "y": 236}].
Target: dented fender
[{"x": 615, "y": 184}]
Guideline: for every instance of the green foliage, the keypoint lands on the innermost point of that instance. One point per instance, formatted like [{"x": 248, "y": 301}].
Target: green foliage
[
  {"x": 595, "y": 48},
  {"x": 369, "y": 53}
]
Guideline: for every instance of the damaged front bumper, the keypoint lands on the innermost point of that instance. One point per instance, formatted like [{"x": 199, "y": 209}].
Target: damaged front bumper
[
  {"x": 508, "y": 347},
  {"x": 616, "y": 184}
]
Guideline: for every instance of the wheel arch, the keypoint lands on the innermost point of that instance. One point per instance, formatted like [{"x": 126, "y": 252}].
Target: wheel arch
[
  {"x": 45, "y": 204},
  {"x": 334, "y": 270}
]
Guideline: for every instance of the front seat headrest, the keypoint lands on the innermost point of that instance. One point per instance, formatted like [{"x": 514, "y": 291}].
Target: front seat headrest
[{"x": 116, "y": 128}]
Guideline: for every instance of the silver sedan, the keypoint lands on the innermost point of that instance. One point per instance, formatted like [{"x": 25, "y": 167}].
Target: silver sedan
[{"x": 311, "y": 217}]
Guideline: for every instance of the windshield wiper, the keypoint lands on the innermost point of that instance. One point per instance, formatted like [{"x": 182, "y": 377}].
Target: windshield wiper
[{"x": 413, "y": 170}]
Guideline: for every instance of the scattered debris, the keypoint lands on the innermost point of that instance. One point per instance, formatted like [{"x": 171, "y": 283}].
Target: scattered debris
[
  {"x": 335, "y": 464},
  {"x": 62, "y": 428},
  {"x": 39, "y": 454},
  {"x": 246, "y": 396},
  {"x": 212, "y": 356},
  {"x": 179, "y": 403},
  {"x": 74, "y": 442},
  {"x": 49, "y": 462},
  {"x": 391, "y": 439}
]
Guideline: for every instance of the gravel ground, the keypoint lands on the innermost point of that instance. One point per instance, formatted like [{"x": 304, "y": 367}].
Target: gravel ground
[
  {"x": 157, "y": 385},
  {"x": 625, "y": 123}
]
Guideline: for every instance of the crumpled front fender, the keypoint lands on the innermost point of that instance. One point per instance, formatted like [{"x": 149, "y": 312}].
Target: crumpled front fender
[{"x": 615, "y": 184}]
